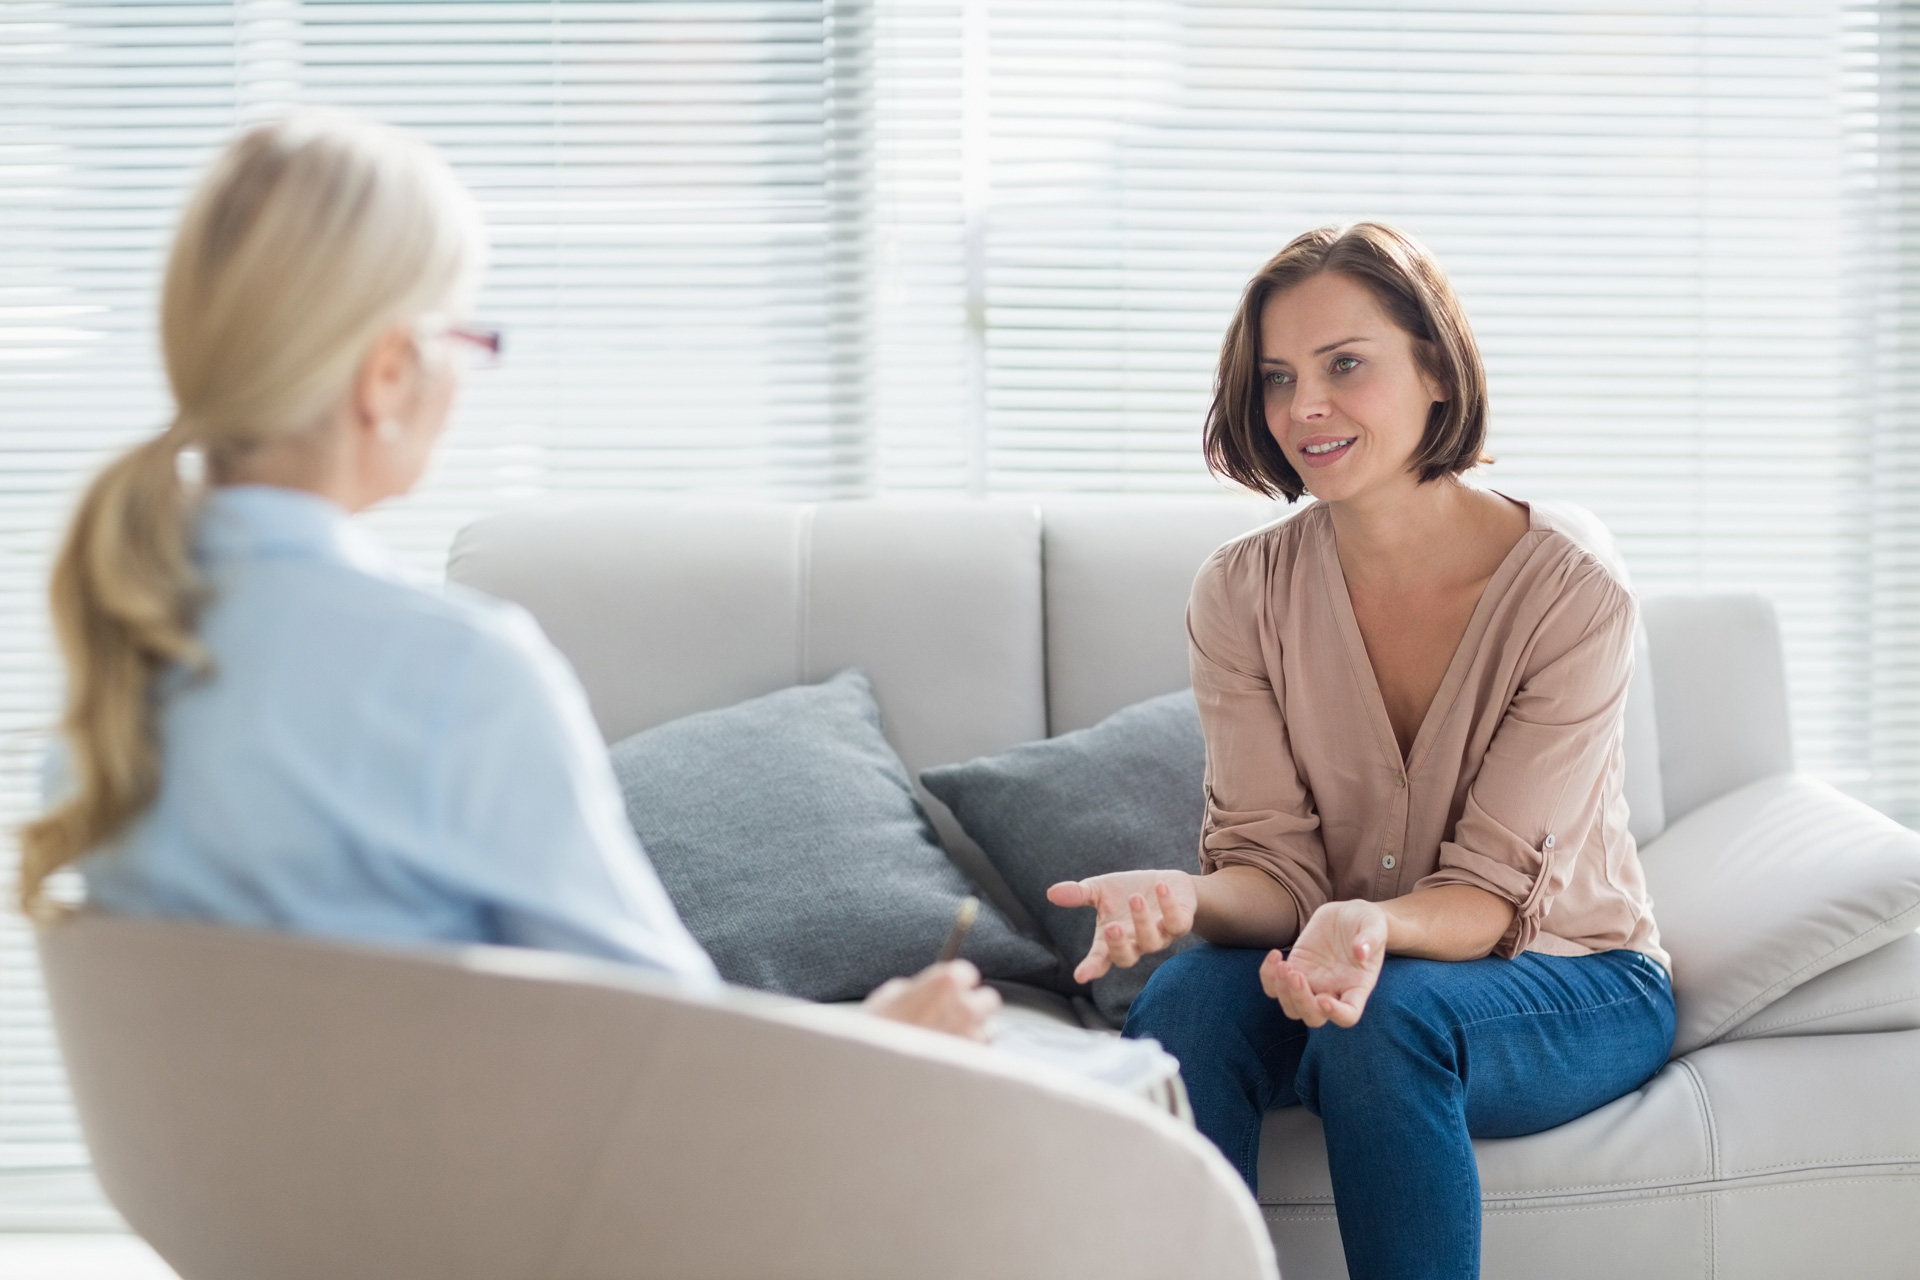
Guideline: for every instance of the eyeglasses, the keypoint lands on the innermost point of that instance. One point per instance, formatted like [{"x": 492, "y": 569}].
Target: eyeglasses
[{"x": 478, "y": 346}]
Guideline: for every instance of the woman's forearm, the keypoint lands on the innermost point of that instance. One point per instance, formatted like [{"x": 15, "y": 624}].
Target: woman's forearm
[
  {"x": 1243, "y": 907},
  {"x": 1450, "y": 922}
]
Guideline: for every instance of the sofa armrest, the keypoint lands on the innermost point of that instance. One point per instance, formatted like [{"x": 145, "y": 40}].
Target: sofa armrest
[{"x": 1770, "y": 886}]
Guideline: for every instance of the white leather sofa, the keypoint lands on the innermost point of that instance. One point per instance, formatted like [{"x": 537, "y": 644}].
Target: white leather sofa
[{"x": 1788, "y": 1145}]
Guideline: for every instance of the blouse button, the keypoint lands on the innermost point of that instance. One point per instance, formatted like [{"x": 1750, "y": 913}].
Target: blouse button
[
  {"x": 1400, "y": 780},
  {"x": 1549, "y": 843},
  {"x": 1387, "y": 862}
]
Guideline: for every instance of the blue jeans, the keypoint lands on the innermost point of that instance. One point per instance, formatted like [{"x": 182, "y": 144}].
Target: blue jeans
[{"x": 1444, "y": 1052}]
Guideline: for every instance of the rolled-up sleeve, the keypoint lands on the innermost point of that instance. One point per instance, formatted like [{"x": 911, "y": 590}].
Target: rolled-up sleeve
[
  {"x": 1538, "y": 797},
  {"x": 1259, "y": 812}
]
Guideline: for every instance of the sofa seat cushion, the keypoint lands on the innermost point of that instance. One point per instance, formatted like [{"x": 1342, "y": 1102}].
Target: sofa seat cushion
[
  {"x": 1878, "y": 992},
  {"x": 1767, "y": 888},
  {"x": 1730, "y": 1113},
  {"x": 1656, "y": 1135},
  {"x": 787, "y": 834}
]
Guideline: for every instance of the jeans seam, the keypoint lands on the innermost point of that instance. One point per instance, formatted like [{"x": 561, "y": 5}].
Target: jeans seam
[
  {"x": 1584, "y": 1009},
  {"x": 1548, "y": 1013}
]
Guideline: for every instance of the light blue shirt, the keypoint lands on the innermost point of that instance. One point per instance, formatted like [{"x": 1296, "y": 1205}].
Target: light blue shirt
[{"x": 374, "y": 761}]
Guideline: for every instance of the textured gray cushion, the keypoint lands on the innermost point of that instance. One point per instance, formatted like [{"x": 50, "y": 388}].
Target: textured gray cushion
[
  {"x": 1123, "y": 795},
  {"x": 786, "y": 832}
]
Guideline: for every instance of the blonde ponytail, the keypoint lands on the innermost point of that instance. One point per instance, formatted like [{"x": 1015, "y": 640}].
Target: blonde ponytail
[
  {"x": 307, "y": 239},
  {"x": 125, "y": 594}
]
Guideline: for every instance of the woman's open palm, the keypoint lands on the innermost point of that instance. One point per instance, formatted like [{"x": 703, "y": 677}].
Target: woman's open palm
[
  {"x": 1139, "y": 913},
  {"x": 1332, "y": 968}
]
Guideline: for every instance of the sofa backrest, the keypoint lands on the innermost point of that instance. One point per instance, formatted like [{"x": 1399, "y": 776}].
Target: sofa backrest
[
  {"x": 667, "y": 608},
  {"x": 1117, "y": 575},
  {"x": 1722, "y": 710},
  {"x": 987, "y": 624}
]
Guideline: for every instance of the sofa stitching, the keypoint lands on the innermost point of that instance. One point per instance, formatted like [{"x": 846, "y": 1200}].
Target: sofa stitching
[
  {"x": 1709, "y": 1226},
  {"x": 1583, "y": 1188},
  {"x": 1811, "y": 1182},
  {"x": 1604, "y": 1208},
  {"x": 1747, "y": 1030},
  {"x": 1705, "y": 1193},
  {"x": 1787, "y": 983},
  {"x": 1706, "y": 1116},
  {"x": 1836, "y": 1162},
  {"x": 1321, "y": 1212},
  {"x": 1666, "y": 1180}
]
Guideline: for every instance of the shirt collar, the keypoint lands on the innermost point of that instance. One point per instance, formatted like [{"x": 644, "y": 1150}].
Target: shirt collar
[{"x": 252, "y": 521}]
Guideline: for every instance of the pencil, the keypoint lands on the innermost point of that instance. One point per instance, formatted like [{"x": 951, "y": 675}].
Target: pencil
[{"x": 963, "y": 920}]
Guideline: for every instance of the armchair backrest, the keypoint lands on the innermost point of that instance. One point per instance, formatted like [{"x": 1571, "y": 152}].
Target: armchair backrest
[{"x": 260, "y": 1105}]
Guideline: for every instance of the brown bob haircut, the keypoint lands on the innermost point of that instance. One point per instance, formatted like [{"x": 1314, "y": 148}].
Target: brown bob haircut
[{"x": 1414, "y": 292}]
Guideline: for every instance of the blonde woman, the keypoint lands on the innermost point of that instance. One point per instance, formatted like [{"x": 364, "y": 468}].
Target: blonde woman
[
  {"x": 266, "y": 724},
  {"x": 1426, "y": 917}
]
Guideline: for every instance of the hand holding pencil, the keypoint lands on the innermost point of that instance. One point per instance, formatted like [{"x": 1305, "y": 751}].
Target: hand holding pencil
[{"x": 946, "y": 995}]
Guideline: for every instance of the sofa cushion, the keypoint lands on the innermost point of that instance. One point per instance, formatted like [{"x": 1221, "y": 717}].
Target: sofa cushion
[
  {"x": 1655, "y": 1135},
  {"x": 787, "y": 834},
  {"x": 1770, "y": 886},
  {"x": 1123, "y": 795},
  {"x": 1880, "y": 991}
]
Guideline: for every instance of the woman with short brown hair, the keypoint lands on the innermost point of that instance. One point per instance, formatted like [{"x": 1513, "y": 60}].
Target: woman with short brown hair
[{"x": 1424, "y": 918}]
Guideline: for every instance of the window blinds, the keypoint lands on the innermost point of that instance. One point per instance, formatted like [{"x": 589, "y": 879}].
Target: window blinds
[
  {"x": 678, "y": 195},
  {"x": 816, "y": 248},
  {"x": 1644, "y": 207},
  {"x": 1883, "y": 346}
]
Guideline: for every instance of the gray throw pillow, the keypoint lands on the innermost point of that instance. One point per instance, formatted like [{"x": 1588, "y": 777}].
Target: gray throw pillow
[
  {"x": 1121, "y": 796},
  {"x": 787, "y": 834}
]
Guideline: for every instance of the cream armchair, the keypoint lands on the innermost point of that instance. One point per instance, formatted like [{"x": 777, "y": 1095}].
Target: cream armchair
[{"x": 266, "y": 1107}]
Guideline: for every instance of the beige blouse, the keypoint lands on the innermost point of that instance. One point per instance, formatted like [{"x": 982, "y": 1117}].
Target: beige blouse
[{"x": 1513, "y": 784}]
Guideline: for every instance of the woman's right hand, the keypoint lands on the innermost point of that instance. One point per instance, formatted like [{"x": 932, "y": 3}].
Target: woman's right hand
[
  {"x": 1139, "y": 913},
  {"x": 942, "y": 997}
]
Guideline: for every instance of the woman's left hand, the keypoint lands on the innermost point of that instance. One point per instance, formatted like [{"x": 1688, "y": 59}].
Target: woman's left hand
[{"x": 1331, "y": 970}]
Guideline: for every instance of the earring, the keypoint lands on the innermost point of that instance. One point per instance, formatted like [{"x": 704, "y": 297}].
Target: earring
[{"x": 386, "y": 431}]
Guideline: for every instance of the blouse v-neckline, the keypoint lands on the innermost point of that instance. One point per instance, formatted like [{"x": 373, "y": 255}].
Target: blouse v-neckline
[{"x": 1448, "y": 693}]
